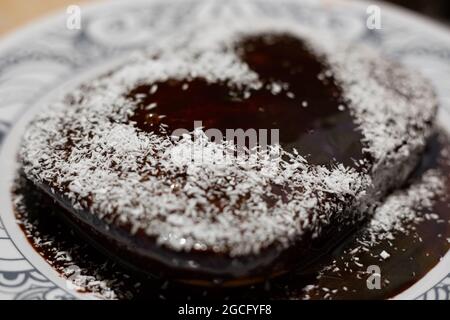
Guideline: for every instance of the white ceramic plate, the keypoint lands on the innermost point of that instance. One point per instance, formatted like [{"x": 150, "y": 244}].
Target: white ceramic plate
[{"x": 44, "y": 58}]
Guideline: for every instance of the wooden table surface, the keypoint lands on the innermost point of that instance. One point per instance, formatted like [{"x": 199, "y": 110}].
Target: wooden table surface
[{"x": 15, "y": 13}]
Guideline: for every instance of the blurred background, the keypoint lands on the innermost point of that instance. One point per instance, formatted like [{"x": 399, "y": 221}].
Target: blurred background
[
  {"x": 14, "y": 13},
  {"x": 437, "y": 9}
]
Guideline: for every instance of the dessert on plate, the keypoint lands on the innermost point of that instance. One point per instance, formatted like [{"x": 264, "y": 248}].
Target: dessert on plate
[{"x": 350, "y": 127}]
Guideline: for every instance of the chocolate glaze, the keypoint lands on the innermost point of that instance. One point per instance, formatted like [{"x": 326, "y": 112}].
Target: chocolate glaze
[
  {"x": 322, "y": 130},
  {"x": 412, "y": 255},
  {"x": 142, "y": 254},
  {"x": 310, "y": 111}
]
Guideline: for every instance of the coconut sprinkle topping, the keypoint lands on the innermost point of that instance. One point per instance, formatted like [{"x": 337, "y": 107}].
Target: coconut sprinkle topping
[{"x": 85, "y": 147}]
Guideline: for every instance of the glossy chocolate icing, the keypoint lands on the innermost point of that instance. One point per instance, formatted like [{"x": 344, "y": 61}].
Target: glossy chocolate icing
[{"x": 310, "y": 111}]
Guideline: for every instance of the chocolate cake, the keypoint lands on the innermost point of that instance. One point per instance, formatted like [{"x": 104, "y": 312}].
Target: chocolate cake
[{"x": 352, "y": 126}]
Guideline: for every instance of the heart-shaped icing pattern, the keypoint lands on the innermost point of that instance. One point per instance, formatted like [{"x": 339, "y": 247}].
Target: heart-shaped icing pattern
[{"x": 299, "y": 96}]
